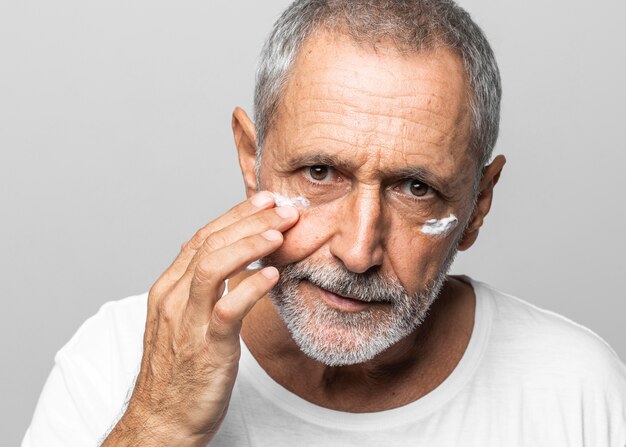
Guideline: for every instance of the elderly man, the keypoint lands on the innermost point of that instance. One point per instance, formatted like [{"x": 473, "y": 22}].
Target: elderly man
[{"x": 368, "y": 167}]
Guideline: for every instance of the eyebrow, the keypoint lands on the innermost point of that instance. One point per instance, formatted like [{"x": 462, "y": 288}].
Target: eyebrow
[
  {"x": 421, "y": 173},
  {"x": 412, "y": 172}
]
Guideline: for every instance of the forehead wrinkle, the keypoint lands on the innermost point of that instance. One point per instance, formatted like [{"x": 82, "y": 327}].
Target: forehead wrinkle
[
  {"x": 335, "y": 87},
  {"x": 386, "y": 84},
  {"x": 396, "y": 109},
  {"x": 430, "y": 103},
  {"x": 316, "y": 136},
  {"x": 398, "y": 116},
  {"x": 321, "y": 133},
  {"x": 387, "y": 131},
  {"x": 338, "y": 71},
  {"x": 384, "y": 116},
  {"x": 418, "y": 114},
  {"x": 337, "y": 67}
]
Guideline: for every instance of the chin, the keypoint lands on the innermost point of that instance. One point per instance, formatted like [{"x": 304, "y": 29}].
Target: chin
[
  {"x": 339, "y": 317},
  {"x": 340, "y": 331}
]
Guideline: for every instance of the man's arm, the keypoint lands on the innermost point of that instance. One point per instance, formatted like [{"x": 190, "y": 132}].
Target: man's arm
[{"x": 191, "y": 341}]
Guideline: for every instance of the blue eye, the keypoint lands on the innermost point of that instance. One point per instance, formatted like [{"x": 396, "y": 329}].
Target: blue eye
[
  {"x": 320, "y": 173},
  {"x": 416, "y": 188}
]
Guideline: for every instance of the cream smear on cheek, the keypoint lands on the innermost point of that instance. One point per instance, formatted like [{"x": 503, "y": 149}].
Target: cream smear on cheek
[
  {"x": 433, "y": 227},
  {"x": 299, "y": 202},
  {"x": 438, "y": 227}
]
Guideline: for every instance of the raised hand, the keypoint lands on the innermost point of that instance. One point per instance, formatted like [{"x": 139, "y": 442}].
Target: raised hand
[{"x": 191, "y": 342}]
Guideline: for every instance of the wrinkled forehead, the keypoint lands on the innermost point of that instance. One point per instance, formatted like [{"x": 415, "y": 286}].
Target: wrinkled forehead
[{"x": 363, "y": 99}]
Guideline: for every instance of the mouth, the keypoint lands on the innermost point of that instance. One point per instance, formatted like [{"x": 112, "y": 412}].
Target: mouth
[{"x": 343, "y": 303}]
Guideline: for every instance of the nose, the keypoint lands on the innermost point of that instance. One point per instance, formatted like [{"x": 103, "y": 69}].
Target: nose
[{"x": 357, "y": 240}]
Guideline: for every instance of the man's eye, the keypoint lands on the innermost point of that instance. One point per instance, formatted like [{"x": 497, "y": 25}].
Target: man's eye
[
  {"x": 320, "y": 173},
  {"x": 416, "y": 188}
]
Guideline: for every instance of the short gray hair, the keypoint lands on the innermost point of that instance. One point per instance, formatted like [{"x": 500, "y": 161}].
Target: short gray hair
[{"x": 411, "y": 25}]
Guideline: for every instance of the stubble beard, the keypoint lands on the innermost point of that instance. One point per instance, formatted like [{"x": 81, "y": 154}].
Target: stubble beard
[{"x": 338, "y": 338}]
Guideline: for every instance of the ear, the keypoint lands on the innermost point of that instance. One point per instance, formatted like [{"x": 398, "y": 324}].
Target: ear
[
  {"x": 491, "y": 175},
  {"x": 244, "y": 133}
]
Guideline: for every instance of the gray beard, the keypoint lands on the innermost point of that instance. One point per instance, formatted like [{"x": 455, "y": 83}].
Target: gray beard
[{"x": 338, "y": 338}]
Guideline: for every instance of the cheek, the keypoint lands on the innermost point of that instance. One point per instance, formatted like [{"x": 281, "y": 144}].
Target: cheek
[
  {"x": 314, "y": 227},
  {"x": 415, "y": 258},
  {"x": 313, "y": 230}
]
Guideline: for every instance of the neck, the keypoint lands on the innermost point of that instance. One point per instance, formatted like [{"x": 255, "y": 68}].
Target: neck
[{"x": 401, "y": 374}]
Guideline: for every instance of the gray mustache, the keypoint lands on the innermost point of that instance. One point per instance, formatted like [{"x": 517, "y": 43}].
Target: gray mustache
[{"x": 371, "y": 287}]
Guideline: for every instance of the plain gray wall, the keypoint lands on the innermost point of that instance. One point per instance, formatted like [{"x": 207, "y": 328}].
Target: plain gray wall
[{"x": 115, "y": 146}]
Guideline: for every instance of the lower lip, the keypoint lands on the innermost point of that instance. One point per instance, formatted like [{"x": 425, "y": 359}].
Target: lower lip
[{"x": 343, "y": 304}]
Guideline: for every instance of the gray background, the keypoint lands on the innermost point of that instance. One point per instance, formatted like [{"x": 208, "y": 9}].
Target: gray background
[{"x": 115, "y": 146}]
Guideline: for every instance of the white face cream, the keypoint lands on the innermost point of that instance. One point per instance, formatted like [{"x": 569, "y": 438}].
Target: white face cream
[
  {"x": 437, "y": 227},
  {"x": 298, "y": 202},
  {"x": 256, "y": 265},
  {"x": 280, "y": 200}
]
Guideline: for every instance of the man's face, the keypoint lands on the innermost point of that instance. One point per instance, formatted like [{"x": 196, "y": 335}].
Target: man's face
[{"x": 377, "y": 142}]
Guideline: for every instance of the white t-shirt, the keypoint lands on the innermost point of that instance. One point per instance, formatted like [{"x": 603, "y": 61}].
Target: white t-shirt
[{"x": 529, "y": 377}]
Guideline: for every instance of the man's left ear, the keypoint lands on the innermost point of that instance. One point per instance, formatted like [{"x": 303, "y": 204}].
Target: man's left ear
[
  {"x": 244, "y": 133},
  {"x": 491, "y": 175}
]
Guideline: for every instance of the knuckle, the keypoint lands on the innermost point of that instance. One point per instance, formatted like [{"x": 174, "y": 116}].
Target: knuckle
[
  {"x": 222, "y": 315},
  {"x": 217, "y": 330},
  {"x": 214, "y": 242},
  {"x": 198, "y": 239},
  {"x": 223, "y": 321},
  {"x": 153, "y": 303},
  {"x": 195, "y": 242},
  {"x": 168, "y": 309},
  {"x": 207, "y": 269},
  {"x": 155, "y": 292}
]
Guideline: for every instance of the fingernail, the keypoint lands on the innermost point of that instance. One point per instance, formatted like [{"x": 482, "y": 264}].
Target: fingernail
[
  {"x": 287, "y": 212},
  {"x": 262, "y": 199},
  {"x": 270, "y": 272},
  {"x": 272, "y": 235}
]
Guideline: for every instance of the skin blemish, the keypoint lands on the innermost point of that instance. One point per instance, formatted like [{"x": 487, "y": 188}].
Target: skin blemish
[
  {"x": 438, "y": 227},
  {"x": 299, "y": 202}
]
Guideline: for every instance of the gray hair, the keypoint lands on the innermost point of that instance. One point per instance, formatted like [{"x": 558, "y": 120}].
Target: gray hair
[{"x": 411, "y": 25}]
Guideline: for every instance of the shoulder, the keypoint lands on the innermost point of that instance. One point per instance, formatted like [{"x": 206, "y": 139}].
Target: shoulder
[
  {"x": 547, "y": 367},
  {"x": 546, "y": 342},
  {"x": 92, "y": 377},
  {"x": 125, "y": 317},
  {"x": 108, "y": 345}
]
